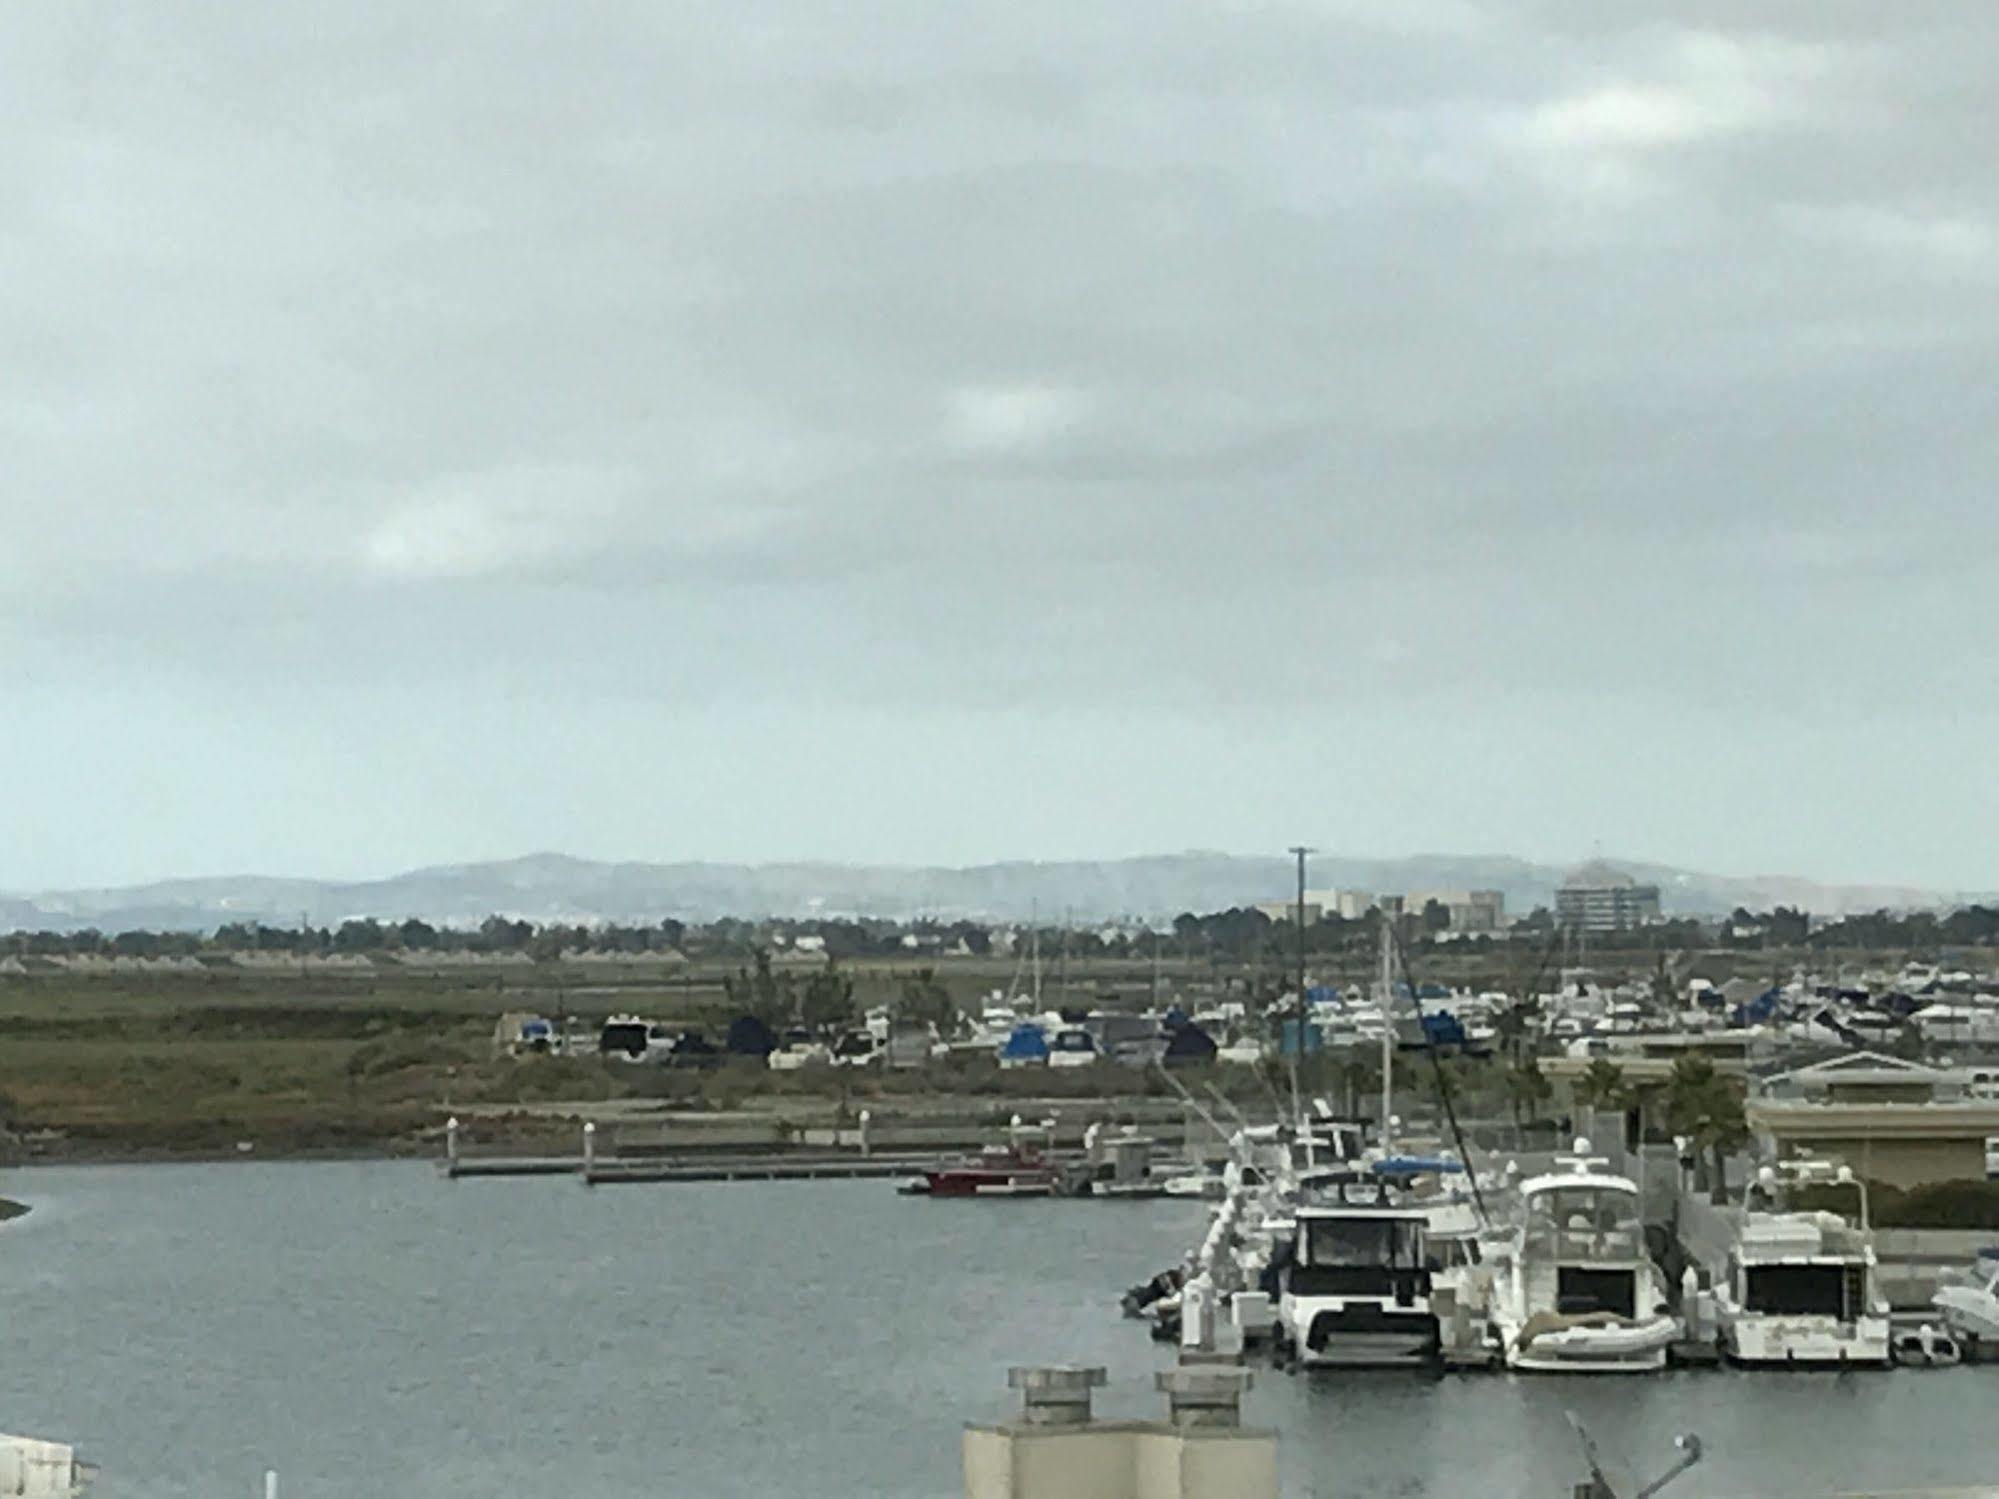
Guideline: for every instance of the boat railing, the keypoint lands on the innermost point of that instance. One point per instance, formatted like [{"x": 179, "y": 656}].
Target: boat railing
[{"x": 1615, "y": 1244}]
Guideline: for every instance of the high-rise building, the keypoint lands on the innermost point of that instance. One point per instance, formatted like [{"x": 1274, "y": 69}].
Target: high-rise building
[{"x": 1600, "y": 898}]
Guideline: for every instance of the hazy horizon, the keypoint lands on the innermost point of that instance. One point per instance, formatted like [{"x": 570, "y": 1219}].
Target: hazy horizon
[
  {"x": 939, "y": 435},
  {"x": 1319, "y": 877}
]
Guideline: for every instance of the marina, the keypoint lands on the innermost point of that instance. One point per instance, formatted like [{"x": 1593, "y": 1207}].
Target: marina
[{"x": 231, "y": 1319}]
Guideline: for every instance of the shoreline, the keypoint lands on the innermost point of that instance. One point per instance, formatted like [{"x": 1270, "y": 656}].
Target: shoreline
[{"x": 170, "y": 1157}]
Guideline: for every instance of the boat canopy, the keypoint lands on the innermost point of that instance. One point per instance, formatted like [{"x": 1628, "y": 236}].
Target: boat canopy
[
  {"x": 750, "y": 1037},
  {"x": 1416, "y": 1165},
  {"x": 1190, "y": 1044},
  {"x": 1025, "y": 1044}
]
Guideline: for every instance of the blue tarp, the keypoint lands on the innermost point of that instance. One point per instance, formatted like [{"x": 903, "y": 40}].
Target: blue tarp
[
  {"x": 1189, "y": 1044},
  {"x": 1026, "y": 1044},
  {"x": 1442, "y": 1028},
  {"x": 1414, "y": 1165},
  {"x": 1757, "y": 1011},
  {"x": 750, "y": 1037}
]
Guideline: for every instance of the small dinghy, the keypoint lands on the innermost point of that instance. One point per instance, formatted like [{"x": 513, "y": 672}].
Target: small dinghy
[{"x": 1927, "y": 1347}]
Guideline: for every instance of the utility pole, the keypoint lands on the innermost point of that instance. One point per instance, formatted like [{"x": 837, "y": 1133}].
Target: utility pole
[{"x": 1301, "y": 851}]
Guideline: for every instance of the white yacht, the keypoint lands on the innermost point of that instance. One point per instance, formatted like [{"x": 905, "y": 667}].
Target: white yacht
[
  {"x": 1969, "y": 1299},
  {"x": 1800, "y": 1286},
  {"x": 1354, "y": 1281},
  {"x": 1572, "y": 1286}
]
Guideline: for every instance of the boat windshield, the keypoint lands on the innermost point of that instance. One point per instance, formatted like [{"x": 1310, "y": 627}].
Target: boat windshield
[
  {"x": 1585, "y": 1223},
  {"x": 1836, "y": 1291},
  {"x": 1351, "y": 1242}
]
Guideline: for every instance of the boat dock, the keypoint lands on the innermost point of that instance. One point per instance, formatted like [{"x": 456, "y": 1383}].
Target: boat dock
[
  {"x": 456, "y": 1166},
  {"x": 775, "y": 1168},
  {"x": 647, "y": 1150},
  {"x": 712, "y": 1164}
]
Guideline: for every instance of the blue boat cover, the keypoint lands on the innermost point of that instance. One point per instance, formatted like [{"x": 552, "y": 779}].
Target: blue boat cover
[
  {"x": 1026, "y": 1044},
  {"x": 1414, "y": 1165}
]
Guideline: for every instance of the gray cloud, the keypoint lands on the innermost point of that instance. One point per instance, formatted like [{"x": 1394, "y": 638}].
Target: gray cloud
[{"x": 1354, "y": 367}]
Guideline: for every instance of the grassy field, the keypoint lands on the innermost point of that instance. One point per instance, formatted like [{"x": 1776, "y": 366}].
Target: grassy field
[{"x": 287, "y": 1063}]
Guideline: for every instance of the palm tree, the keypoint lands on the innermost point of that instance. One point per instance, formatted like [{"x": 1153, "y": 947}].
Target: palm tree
[
  {"x": 1527, "y": 1089},
  {"x": 1360, "y": 1075},
  {"x": 1707, "y": 1107},
  {"x": 1512, "y": 1029},
  {"x": 1602, "y": 1086}
]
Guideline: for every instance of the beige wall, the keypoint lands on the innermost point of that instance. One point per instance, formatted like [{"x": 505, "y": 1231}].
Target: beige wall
[
  {"x": 1119, "y": 1460},
  {"x": 1879, "y": 1092},
  {"x": 1906, "y": 1162}
]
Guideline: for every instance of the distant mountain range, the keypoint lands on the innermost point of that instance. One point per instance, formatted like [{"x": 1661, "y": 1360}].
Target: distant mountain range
[{"x": 555, "y": 887}]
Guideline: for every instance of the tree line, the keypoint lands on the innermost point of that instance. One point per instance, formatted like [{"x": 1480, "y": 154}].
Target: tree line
[{"x": 1239, "y": 935}]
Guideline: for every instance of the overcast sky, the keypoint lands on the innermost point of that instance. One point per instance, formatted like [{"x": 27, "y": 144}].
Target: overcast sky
[{"x": 953, "y": 431}]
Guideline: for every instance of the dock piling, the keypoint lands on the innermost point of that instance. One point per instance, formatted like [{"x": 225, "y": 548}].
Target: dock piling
[
  {"x": 1203, "y": 1395},
  {"x": 1055, "y": 1395}
]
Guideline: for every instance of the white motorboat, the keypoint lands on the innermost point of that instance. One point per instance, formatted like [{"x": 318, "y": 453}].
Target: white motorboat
[
  {"x": 1354, "y": 1281},
  {"x": 1572, "y": 1286},
  {"x": 1800, "y": 1286},
  {"x": 1969, "y": 1299},
  {"x": 1213, "y": 1181},
  {"x": 797, "y": 1050}
]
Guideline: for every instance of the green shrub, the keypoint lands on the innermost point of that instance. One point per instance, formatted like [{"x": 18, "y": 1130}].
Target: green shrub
[{"x": 1948, "y": 1204}]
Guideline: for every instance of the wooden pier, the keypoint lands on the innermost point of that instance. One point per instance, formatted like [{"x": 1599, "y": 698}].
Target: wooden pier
[
  {"x": 775, "y": 1168},
  {"x": 718, "y": 1168},
  {"x": 513, "y": 1166},
  {"x": 735, "y": 1163}
]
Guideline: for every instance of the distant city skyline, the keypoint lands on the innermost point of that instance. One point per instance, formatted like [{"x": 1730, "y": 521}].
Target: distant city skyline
[
  {"x": 1478, "y": 893},
  {"x": 995, "y": 431}
]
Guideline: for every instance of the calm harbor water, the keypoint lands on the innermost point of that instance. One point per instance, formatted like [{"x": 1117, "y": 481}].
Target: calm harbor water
[{"x": 372, "y": 1329}]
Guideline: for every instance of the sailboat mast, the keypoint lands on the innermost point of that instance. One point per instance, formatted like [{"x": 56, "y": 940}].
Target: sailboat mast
[
  {"x": 1387, "y": 1029},
  {"x": 1064, "y": 1000},
  {"x": 1034, "y": 951}
]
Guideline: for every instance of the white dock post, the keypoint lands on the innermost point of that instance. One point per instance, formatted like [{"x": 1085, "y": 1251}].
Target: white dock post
[
  {"x": 451, "y": 1144},
  {"x": 271, "y": 1474},
  {"x": 865, "y": 1117},
  {"x": 1197, "y": 1311},
  {"x": 589, "y": 1147}
]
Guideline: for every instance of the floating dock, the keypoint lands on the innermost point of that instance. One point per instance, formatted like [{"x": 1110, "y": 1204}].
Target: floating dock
[
  {"x": 513, "y": 1166},
  {"x": 778, "y": 1168}
]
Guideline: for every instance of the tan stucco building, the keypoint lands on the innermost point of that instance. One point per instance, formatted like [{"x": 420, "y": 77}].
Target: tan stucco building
[{"x": 1891, "y": 1120}]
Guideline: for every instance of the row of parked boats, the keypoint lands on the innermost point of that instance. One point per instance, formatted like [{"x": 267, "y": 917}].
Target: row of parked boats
[{"x": 1330, "y": 1254}]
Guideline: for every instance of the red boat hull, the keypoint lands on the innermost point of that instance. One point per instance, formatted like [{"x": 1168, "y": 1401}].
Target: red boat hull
[{"x": 964, "y": 1183}]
